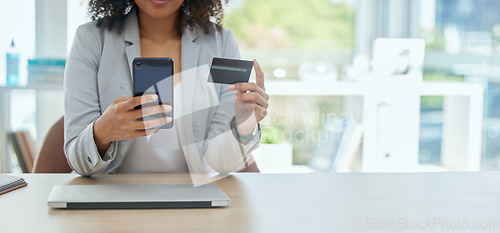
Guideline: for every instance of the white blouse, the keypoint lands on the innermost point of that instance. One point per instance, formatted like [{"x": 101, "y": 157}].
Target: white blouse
[{"x": 160, "y": 152}]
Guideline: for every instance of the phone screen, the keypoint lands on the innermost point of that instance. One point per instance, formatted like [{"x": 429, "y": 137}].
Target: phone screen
[{"x": 154, "y": 76}]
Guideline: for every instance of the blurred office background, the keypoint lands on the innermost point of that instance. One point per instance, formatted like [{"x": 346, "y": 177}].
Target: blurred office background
[{"x": 302, "y": 41}]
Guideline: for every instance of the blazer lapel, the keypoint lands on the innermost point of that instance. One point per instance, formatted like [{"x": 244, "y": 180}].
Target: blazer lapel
[{"x": 132, "y": 39}]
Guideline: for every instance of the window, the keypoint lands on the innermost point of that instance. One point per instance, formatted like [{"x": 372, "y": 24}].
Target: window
[
  {"x": 292, "y": 39},
  {"x": 306, "y": 41},
  {"x": 462, "y": 45}
]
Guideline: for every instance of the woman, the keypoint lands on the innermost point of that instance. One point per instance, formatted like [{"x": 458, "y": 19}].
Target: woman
[{"x": 102, "y": 133}]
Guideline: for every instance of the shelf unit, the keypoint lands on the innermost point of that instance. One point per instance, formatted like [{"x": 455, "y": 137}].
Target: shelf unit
[
  {"x": 44, "y": 100},
  {"x": 462, "y": 120}
]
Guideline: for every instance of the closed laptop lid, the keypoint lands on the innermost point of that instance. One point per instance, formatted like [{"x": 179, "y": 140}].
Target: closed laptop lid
[{"x": 136, "y": 196}]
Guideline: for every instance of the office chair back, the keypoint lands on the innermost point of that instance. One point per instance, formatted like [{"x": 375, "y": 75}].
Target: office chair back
[{"x": 51, "y": 158}]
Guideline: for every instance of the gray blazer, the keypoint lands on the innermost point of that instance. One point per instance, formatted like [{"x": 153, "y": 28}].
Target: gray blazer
[{"x": 99, "y": 70}]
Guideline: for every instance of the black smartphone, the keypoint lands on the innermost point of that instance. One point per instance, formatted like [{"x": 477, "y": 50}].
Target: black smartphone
[{"x": 155, "y": 76}]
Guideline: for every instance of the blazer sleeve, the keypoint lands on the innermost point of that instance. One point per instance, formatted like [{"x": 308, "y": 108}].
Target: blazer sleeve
[
  {"x": 82, "y": 106},
  {"x": 222, "y": 151}
]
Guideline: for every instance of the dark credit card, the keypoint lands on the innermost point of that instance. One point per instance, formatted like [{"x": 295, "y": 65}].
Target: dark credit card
[{"x": 230, "y": 71}]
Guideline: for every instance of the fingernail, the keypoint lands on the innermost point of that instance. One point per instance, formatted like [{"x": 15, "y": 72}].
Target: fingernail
[
  {"x": 231, "y": 87},
  {"x": 167, "y": 108},
  {"x": 154, "y": 97},
  {"x": 169, "y": 119}
]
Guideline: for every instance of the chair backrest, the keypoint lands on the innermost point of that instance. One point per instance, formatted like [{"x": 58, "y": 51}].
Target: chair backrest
[{"x": 51, "y": 158}]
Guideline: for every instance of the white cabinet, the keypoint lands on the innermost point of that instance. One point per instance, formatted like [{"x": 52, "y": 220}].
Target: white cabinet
[{"x": 391, "y": 121}]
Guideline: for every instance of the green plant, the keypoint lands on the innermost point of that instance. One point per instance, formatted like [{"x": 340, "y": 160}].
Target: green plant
[
  {"x": 271, "y": 134},
  {"x": 282, "y": 24}
]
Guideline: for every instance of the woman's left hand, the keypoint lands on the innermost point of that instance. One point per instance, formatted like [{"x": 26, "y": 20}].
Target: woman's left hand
[{"x": 251, "y": 102}]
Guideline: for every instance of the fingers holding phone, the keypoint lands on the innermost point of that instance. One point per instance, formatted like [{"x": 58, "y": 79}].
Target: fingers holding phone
[
  {"x": 122, "y": 120},
  {"x": 146, "y": 112}
]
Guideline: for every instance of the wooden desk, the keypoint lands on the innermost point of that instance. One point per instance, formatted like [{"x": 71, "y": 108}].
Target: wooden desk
[{"x": 316, "y": 202}]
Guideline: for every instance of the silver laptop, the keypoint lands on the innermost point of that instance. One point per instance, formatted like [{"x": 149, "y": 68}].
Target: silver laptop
[{"x": 136, "y": 196}]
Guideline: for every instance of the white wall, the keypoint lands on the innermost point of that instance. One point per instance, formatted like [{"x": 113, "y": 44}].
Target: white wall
[
  {"x": 18, "y": 22},
  {"x": 77, "y": 15},
  {"x": 51, "y": 28}
]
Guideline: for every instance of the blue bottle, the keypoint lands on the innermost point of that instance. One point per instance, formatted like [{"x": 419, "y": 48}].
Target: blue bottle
[{"x": 12, "y": 65}]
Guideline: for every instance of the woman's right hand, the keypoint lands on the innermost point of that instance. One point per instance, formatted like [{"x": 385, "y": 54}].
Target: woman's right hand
[{"x": 120, "y": 120}]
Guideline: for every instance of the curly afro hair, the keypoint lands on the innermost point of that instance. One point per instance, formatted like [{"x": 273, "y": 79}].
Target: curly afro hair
[{"x": 110, "y": 14}]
